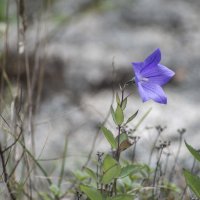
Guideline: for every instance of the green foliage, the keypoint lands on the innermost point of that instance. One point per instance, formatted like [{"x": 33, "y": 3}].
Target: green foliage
[
  {"x": 111, "y": 169},
  {"x": 127, "y": 170},
  {"x": 124, "y": 103},
  {"x": 111, "y": 174},
  {"x": 91, "y": 192},
  {"x": 108, "y": 163},
  {"x": 55, "y": 190},
  {"x": 81, "y": 176},
  {"x": 192, "y": 181},
  {"x": 119, "y": 115},
  {"x": 132, "y": 117},
  {"x": 118, "y": 99},
  {"x": 113, "y": 114},
  {"x": 109, "y": 136},
  {"x": 194, "y": 152},
  {"x": 91, "y": 173}
]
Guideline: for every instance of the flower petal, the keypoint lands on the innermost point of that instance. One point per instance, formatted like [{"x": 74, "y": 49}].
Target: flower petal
[
  {"x": 137, "y": 67},
  {"x": 151, "y": 91},
  {"x": 158, "y": 75},
  {"x": 153, "y": 59}
]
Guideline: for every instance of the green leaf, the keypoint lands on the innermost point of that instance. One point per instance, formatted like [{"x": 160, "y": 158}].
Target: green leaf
[
  {"x": 109, "y": 136},
  {"x": 127, "y": 170},
  {"x": 124, "y": 103},
  {"x": 118, "y": 99},
  {"x": 121, "y": 197},
  {"x": 55, "y": 190},
  {"x": 194, "y": 152},
  {"x": 132, "y": 117},
  {"x": 108, "y": 162},
  {"x": 111, "y": 169},
  {"x": 193, "y": 182},
  {"x": 113, "y": 114},
  {"x": 80, "y": 175},
  {"x": 91, "y": 193},
  {"x": 91, "y": 173},
  {"x": 119, "y": 115},
  {"x": 111, "y": 174}
]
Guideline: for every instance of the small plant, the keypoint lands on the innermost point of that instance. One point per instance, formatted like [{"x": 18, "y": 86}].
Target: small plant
[{"x": 113, "y": 178}]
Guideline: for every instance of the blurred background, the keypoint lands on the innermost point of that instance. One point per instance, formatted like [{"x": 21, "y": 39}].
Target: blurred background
[{"x": 63, "y": 59}]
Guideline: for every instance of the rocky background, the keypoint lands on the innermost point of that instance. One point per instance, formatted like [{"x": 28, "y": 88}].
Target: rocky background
[{"x": 77, "y": 42}]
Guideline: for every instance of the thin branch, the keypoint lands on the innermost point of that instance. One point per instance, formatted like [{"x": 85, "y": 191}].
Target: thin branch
[
  {"x": 5, "y": 174},
  {"x": 16, "y": 140}
]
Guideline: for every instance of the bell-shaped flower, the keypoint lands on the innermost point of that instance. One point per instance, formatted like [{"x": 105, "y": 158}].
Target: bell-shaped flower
[{"x": 150, "y": 76}]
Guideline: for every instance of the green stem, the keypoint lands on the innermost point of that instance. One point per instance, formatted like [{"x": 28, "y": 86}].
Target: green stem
[{"x": 117, "y": 156}]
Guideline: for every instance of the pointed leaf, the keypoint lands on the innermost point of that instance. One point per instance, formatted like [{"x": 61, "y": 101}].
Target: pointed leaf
[
  {"x": 80, "y": 175},
  {"x": 109, "y": 136},
  {"x": 119, "y": 115},
  {"x": 127, "y": 170},
  {"x": 194, "y": 152},
  {"x": 132, "y": 117},
  {"x": 193, "y": 182},
  {"x": 91, "y": 173},
  {"x": 111, "y": 169},
  {"x": 108, "y": 162},
  {"x": 118, "y": 99},
  {"x": 91, "y": 193},
  {"x": 124, "y": 103},
  {"x": 113, "y": 114},
  {"x": 111, "y": 174}
]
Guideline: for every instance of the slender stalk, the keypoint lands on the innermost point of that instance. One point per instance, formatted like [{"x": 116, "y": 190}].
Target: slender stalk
[
  {"x": 97, "y": 173},
  {"x": 133, "y": 155},
  {"x": 117, "y": 156},
  {"x": 119, "y": 128},
  {"x": 5, "y": 174},
  {"x": 159, "y": 130},
  {"x": 166, "y": 163},
  {"x": 185, "y": 188},
  {"x": 118, "y": 144},
  {"x": 63, "y": 163},
  {"x": 155, "y": 173},
  {"x": 177, "y": 155}
]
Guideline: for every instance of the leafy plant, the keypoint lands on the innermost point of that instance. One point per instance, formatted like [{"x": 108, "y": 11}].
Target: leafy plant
[
  {"x": 192, "y": 180},
  {"x": 117, "y": 179}
]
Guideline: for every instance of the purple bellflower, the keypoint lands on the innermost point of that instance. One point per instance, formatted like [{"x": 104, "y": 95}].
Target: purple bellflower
[{"x": 150, "y": 76}]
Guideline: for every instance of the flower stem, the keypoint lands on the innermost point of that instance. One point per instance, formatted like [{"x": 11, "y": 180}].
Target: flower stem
[{"x": 117, "y": 155}]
